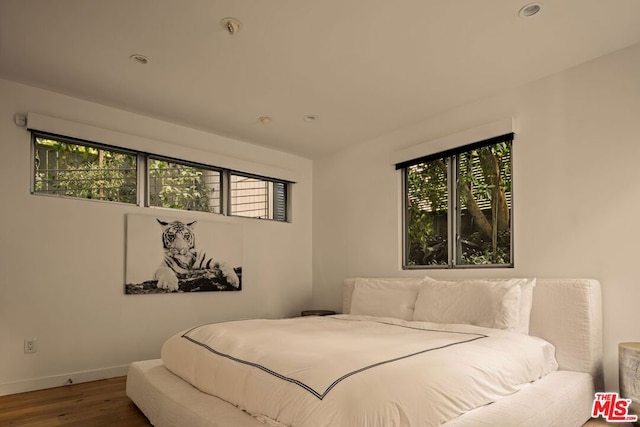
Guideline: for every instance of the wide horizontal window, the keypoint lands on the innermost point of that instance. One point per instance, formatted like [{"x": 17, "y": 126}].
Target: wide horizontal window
[
  {"x": 68, "y": 167},
  {"x": 458, "y": 207}
]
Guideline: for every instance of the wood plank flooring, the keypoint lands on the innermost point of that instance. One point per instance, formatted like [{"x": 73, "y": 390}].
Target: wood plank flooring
[
  {"x": 92, "y": 404},
  {"x": 599, "y": 422}
]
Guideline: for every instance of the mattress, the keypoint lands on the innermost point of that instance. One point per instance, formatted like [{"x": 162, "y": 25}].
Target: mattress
[
  {"x": 560, "y": 399},
  {"x": 356, "y": 370}
]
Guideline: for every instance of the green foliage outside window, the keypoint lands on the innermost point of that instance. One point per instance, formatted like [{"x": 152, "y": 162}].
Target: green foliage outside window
[
  {"x": 85, "y": 172},
  {"x": 180, "y": 186},
  {"x": 483, "y": 220},
  {"x": 427, "y": 207}
]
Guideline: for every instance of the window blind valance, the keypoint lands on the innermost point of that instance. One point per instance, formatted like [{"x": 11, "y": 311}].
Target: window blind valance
[
  {"x": 456, "y": 150},
  {"x": 113, "y": 138}
]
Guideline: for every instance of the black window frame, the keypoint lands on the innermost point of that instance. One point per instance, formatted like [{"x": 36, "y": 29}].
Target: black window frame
[
  {"x": 147, "y": 170},
  {"x": 280, "y": 188},
  {"x": 35, "y": 135},
  {"x": 142, "y": 181},
  {"x": 454, "y": 250}
]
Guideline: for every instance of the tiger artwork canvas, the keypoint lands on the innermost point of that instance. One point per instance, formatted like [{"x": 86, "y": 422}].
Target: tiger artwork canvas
[{"x": 183, "y": 265}]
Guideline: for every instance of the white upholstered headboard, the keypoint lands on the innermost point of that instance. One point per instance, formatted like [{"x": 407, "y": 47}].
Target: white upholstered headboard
[{"x": 565, "y": 312}]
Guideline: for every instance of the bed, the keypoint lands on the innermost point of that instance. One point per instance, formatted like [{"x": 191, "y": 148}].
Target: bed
[{"x": 565, "y": 313}]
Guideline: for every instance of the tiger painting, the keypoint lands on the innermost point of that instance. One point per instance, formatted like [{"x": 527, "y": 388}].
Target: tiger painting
[{"x": 182, "y": 258}]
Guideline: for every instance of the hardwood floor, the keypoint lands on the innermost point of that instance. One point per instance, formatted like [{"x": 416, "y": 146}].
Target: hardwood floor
[
  {"x": 602, "y": 423},
  {"x": 93, "y": 404}
]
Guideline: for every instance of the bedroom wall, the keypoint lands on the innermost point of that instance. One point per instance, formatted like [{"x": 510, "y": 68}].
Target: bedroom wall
[
  {"x": 62, "y": 260},
  {"x": 575, "y": 189}
]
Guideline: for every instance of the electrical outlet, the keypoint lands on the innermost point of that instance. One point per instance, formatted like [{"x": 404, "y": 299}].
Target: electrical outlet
[{"x": 30, "y": 345}]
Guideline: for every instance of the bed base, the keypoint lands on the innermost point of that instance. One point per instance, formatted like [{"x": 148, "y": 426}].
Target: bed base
[
  {"x": 560, "y": 399},
  {"x": 565, "y": 312}
]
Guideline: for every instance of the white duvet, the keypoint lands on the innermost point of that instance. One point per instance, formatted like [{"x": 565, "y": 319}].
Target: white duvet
[{"x": 356, "y": 370}]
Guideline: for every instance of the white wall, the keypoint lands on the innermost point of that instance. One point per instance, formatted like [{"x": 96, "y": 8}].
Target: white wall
[
  {"x": 577, "y": 197},
  {"x": 62, "y": 260}
]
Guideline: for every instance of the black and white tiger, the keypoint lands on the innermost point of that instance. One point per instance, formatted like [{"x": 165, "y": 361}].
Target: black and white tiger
[{"x": 181, "y": 257}]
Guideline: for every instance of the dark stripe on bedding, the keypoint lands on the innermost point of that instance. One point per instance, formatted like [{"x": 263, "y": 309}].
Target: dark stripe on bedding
[
  {"x": 321, "y": 395},
  {"x": 393, "y": 360},
  {"x": 403, "y": 326},
  {"x": 255, "y": 365}
]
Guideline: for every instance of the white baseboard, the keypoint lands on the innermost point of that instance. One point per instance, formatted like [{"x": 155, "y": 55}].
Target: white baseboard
[{"x": 62, "y": 379}]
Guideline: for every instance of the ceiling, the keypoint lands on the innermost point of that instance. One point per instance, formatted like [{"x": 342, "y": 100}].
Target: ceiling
[{"x": 362, "y": 67}]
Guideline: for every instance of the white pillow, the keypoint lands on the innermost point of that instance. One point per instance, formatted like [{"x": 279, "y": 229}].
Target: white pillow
[
  {"x": 526, "y": 301},
  {"x": 385, "y": 297},
  {"x": 487, "y": 303}
]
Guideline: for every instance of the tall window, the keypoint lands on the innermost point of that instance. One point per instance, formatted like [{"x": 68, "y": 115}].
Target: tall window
[
  {"x": 69, "y": 167},
  {"x": 458, "y": 207}
]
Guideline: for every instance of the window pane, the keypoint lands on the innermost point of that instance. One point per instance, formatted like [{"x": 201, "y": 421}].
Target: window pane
[
  {"x": 485, "y": 201},
  {"x": 181, "y": 186},
  {"x": 426, "y": 215},
  {"x": 76, "y": 170},
  {"x": 258, "y": 198}
]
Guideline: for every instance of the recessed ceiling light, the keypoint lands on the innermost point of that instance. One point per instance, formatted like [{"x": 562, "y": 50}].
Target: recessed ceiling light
[
  {"x": 530, "y": 10},
  {"x": 310, "y": 118},
  {"x": 139, "y": 59},
  {"x": 265, "y": 120}
]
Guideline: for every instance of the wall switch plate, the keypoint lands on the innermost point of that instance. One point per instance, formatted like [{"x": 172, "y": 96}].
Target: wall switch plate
[{"x": 30, "y": 345}]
